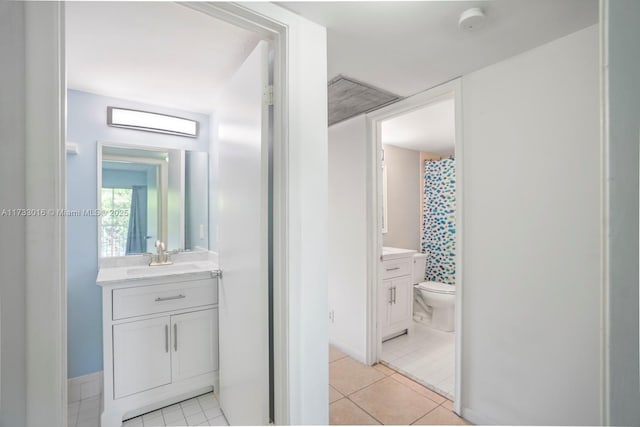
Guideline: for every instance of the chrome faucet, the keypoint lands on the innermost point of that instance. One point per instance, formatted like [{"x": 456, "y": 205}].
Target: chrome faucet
[{"x": 162, "y": 257}]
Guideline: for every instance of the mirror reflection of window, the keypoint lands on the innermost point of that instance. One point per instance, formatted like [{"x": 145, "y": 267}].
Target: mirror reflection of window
[{"x": 115, "y": 227}]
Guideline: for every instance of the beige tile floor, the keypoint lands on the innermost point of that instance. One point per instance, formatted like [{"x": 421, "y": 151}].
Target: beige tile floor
[{"x": 361, "y": 395}]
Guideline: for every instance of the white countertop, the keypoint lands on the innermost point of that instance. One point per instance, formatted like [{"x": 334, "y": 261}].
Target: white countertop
[
  {"x": 389, "y": 253},
  {"x": 187, "y": 270}
]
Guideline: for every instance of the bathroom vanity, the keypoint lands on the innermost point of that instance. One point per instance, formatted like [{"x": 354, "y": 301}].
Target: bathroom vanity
[
  {"x": 395, "y": 295},
  {"x": 160, "y": 335}
]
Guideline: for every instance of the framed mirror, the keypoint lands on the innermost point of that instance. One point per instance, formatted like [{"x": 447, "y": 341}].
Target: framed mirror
[{"x": 147, "y": 194}]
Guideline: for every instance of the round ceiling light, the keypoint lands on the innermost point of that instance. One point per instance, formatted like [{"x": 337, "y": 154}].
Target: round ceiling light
[{"x": 472, "y": 19}]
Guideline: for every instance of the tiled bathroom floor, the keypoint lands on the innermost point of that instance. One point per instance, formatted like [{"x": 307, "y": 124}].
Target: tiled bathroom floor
[
  {"x": 203, "y": 410},
  {"x": 358, "y": 395},
  {"x": 425, "y": 355},
  {"x": 361, "y": 394}
]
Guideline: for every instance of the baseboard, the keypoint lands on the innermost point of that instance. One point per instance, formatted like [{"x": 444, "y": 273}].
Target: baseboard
[
  {"x": 84, "y": 387},
  {"x": 349, "y": 351},
  {"x": 476, "y": 419}
]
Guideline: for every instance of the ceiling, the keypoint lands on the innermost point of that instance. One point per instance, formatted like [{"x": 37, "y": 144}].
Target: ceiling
[
  {"x": 158, "y": 53},
  {"x": 430, "y": 129},
  {"x": 166, "y": 54},
  {"x": 407, "y": 47}
]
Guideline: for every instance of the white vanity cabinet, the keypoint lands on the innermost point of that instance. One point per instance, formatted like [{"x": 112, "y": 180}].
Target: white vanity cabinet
[
  {"x": 395, "y": 294},
  {"x": 162, "y": 350},
  {"x": 160, "y": 338}
]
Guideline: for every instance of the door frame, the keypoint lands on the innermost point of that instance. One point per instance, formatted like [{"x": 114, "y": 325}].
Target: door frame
[
  {"x": 46, "y": 288},
  {"x": 374, "y": 215}
]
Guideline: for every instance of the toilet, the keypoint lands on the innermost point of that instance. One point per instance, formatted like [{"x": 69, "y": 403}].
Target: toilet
[{"x": 435, "y": 298}]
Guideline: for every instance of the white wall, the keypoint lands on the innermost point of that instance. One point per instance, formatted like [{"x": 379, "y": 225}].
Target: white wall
[
  {"x": 403, "y": 197},
  {"x": 532, "y": 223},
  {"x": 531, "y": 291},
  {"x": 347, "y": 236},
  {"x": 45, "y": 235},
  {"x": 12, "y": 229},
  {"x": 621, "y": 142}
]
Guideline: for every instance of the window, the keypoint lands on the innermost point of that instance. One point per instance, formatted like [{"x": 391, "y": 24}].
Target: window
[{"x": 114, "y": 227}]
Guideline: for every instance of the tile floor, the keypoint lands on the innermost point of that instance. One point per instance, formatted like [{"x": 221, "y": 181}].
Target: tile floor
[
  {"x": 425, "y": 355},
  {"x": 203, "y": 410},
  {"x": 85, "y": 413},
  {"x": 358, "y": 395},
  {"x": 363, "y": 395}
]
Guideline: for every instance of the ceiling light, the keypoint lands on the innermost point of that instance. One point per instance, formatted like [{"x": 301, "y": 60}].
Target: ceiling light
[
  {"x": 472, "y": 19},
  {"x": 151, "y": 122}
]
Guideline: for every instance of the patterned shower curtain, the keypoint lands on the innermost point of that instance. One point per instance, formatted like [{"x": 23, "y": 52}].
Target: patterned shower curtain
[{"x": 439, "y": 220}]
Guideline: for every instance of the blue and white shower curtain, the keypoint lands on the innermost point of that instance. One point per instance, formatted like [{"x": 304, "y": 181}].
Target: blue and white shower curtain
[{"x": 439, "y": 220}]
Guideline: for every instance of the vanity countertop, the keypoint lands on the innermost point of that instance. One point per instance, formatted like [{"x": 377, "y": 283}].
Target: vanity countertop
[
  {"x": 390, "y": 253},
  {"x": 133, "y": 274}
]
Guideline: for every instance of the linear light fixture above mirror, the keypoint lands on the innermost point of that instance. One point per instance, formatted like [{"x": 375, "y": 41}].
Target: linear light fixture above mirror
[{"x": 151, "y": 122}]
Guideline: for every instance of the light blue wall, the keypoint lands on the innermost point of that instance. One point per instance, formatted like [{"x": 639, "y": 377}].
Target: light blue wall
[{"x": 86, "y": 125}]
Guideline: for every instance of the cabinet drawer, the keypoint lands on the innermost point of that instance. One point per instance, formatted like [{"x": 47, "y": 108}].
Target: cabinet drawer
[
  {"x": 396, "y": 268},
  {"x": 143, "y": 300}
]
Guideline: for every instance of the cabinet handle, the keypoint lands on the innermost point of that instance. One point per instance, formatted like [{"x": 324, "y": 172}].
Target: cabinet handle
[
  {"x": 166, "y": 338},
  {"x": 394, "y": 268},
  {"x": 394, "y": 294},
  {"x": 170, "y": 298},
  {"x": 391, "y": 295},
  {"x": 175, "y": 337}
]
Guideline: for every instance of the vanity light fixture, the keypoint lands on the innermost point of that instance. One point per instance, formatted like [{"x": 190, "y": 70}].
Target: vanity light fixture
[{"x": 151, "y": 122}]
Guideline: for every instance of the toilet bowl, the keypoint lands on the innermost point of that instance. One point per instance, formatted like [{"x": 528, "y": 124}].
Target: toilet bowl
[
  {"x": 435, "y": 299},
  {"x": 441, "y": 299}
]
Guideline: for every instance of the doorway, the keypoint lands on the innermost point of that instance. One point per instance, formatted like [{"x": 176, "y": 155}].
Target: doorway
[
  {"x": 401, "y": 332},
  {"x": 180, "y": 205},
  {"x": 300, "y": 54}
]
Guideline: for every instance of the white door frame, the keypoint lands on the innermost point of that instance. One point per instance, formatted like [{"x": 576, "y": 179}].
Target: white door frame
[
  {"x": 46, "y": 293},
  {"x": 374, "y": 214}
]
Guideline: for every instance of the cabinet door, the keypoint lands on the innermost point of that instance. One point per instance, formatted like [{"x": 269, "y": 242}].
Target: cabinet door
[
  {"x": 400, "y": 310},
  {"x": 384, "y": 305},
  {"x": 141, "y": 357},
  {"x": 194, "y": 343}
]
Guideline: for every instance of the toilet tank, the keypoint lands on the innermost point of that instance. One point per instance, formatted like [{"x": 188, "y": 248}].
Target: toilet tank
[{"x": 419, "y": 267}]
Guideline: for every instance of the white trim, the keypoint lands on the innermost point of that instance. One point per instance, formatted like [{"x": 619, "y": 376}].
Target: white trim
[
  {"x": 605, "y": 176},
  {"x": 84, "y": 387},
  {"x": 45, "y": 252},
  {"x": 374, "y": 214},
  {"x": 385, "y": 210}
]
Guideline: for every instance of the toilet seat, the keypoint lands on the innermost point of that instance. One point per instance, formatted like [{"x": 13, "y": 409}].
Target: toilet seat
[{"x": 437, "y": 288}]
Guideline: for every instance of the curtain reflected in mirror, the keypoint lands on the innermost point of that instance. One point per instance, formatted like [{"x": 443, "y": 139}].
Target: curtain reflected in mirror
[{"x": 137, "y": 230}]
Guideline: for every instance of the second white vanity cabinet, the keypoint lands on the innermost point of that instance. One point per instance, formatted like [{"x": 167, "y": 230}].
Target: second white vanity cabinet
[
  {"x": 395, "y": 295},
  {"x": 160, "y": 336}
]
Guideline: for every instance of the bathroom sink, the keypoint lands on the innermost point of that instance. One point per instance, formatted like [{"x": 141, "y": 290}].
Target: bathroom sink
[{"x": 159, "y": 270}]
